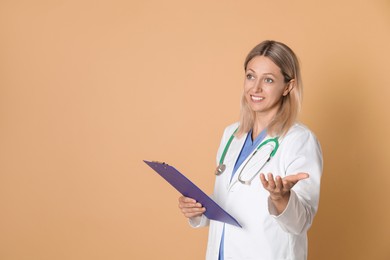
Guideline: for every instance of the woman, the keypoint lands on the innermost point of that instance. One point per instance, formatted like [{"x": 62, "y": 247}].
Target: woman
[{"x": 272, "y": 190}]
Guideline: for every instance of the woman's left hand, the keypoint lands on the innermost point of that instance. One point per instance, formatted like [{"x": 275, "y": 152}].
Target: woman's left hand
[{"x": 279, "y": 188}]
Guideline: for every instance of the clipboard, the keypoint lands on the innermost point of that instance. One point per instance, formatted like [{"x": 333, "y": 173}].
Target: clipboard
[{"x": 189, "y": 189}]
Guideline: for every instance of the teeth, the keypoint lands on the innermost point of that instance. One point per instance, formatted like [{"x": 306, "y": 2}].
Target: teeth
[{"x": 257, "y": 98}]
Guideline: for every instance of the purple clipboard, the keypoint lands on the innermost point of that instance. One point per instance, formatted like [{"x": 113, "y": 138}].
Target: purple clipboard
[{"x": 189, "y": 189}]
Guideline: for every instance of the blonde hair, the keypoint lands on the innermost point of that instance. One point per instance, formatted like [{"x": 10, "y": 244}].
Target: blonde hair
[{"x": 287, "y": 115}]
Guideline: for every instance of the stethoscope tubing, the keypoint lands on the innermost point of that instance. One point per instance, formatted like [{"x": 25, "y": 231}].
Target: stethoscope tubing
[{"x": 221, "y": 167}]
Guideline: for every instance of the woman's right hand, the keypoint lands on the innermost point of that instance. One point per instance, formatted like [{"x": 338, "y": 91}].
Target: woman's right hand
[{"x": 190, "y": 208}]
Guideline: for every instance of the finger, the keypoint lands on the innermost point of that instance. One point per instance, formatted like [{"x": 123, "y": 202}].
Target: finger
[
  {"x": 188, "y": 203},
  {"x": 303, "y": 175},
  {"x": 189, "y": 213},
  {"x": 193, "y": 210},
  {"x": 278, "y": 183},
  {"x": 263, "y": 180},
  {"x": 271, "y": 182},
  {"x": 198, "y": 205},
  {"x": 296, "y": 177},
  {"x": 186, "y": 200}
]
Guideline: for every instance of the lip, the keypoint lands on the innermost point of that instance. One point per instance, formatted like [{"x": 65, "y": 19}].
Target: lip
[{"x": 256, "y": 98}]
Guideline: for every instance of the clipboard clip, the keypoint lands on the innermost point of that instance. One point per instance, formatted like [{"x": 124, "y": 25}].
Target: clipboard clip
[
  {"x": 163, "y": 164},
  {"x": 160, "y": 162}
]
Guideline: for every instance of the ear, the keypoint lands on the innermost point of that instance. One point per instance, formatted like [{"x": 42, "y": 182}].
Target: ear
[{"x": 289, "y": 86}]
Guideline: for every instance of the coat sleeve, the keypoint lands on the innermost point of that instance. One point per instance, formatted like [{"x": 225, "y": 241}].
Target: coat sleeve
[
  {"x": 301, "y": 153},
  {"x": 198, "y": 222}
]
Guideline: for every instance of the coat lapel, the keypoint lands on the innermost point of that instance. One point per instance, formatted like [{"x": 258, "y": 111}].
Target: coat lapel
[{"x": 231, "y": 158}]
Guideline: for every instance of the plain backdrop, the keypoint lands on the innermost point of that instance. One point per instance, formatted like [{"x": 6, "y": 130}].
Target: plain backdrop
[{"x": 88, "y": 89}]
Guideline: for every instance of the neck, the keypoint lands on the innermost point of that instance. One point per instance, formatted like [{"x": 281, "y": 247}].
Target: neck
[
  {"x": 261, "y": 123},
  {"x": 257, "y": 129}
]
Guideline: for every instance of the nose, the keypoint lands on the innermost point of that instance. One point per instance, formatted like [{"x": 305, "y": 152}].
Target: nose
[{"x": 258, "y": 87}]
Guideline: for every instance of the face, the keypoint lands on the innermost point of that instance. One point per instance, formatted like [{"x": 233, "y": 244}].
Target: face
[{"x": 264, "y": 86}]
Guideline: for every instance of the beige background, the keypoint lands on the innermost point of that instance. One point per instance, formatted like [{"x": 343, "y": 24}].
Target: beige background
[{"x": 90, "y": 88}]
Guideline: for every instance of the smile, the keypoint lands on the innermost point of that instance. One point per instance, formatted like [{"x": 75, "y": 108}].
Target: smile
[{"x": 254, "y": 98}]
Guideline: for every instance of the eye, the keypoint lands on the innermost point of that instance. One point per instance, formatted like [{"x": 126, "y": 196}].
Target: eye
[
  {"x": 249, "y": 76},
  {"x": 268, "y": 80}
]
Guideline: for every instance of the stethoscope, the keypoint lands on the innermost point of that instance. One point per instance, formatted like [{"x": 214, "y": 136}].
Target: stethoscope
[{"x": 221, "y": 166}]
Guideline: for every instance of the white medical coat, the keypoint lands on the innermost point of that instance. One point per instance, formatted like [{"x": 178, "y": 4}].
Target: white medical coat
[{"x": 264, "y": 234}]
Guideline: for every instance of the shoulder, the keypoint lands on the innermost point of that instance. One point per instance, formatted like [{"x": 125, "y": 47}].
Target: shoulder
[
  {"x": 300, "y": 149},
  {"x": 300, "y": 133},
  {"x": 229, "y": 130},
  {"x": 299, "y": 129}
]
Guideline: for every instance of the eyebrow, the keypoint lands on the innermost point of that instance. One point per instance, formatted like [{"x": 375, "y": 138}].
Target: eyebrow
[{"x": 267, "y": 73}]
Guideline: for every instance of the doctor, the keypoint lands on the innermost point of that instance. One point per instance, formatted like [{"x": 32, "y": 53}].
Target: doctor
[{"x": 269, "y": 167}]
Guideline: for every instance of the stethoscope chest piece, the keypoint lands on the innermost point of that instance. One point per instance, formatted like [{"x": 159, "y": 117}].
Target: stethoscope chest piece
[{"x": 220, "y": 169}]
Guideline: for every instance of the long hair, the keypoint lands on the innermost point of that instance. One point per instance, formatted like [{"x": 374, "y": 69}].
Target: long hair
[{"x": 287, "y": 114}]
